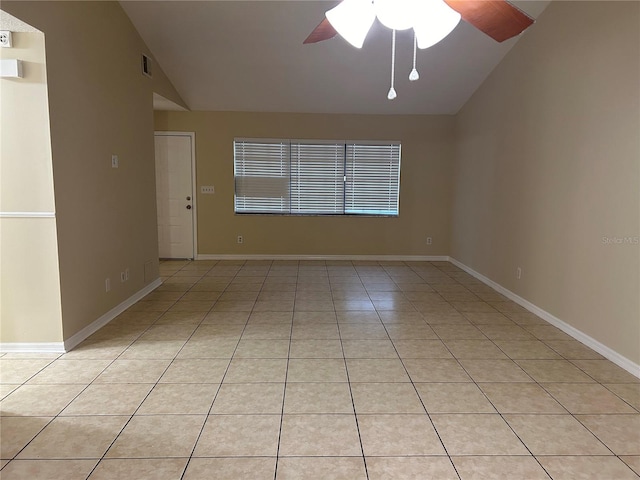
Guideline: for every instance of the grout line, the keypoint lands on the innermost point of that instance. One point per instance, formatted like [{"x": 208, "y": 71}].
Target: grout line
[
  {"x": 206, "y": 420},
  {"x": 286, "y": 376},
  {"x": 489, "y": 400},
  {"x": 155, "y": 384},
  {"x": 353, "y": 405},
  {"x": 422, "y": 403}
]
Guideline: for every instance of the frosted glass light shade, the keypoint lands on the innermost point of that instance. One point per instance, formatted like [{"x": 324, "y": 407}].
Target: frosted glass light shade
[
  {"x": 397, "y": 14},
  {"x": 433, "y": 20},
  {"x": 352, "y": 19}
]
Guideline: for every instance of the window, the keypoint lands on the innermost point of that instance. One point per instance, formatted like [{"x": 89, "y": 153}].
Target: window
[{"x": 291, "y": 177}]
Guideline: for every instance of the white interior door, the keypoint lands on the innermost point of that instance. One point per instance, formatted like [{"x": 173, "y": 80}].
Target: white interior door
[{"x": 174, "y": 195}]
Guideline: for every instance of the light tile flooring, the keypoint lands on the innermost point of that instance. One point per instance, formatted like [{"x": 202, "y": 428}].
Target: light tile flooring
[{"x": 320, "y": 370}]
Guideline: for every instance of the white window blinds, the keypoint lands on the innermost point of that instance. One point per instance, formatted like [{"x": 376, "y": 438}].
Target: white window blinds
[
  {"x": 261, "y": 177},
  {"x": 373, "y": 179},
  {"x": 316, "y": 177}
]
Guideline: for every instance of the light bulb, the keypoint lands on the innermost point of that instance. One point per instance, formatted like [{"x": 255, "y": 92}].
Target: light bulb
[
  {"x": 397, "y": 14},
  {"x": 414, "y": 75},
  {"x": 433, "y": 20},
  {"x": 352, "y": 19},
  {"x": 392, "y": 93}
]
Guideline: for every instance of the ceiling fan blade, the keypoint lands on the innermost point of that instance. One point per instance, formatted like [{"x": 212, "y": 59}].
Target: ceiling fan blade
[
  {"x": 324, "y": 31},
  {"x": 497, "y": 18}
]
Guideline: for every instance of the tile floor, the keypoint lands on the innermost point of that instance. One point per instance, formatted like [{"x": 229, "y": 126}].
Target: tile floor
[{"x": 320, "y": 370}]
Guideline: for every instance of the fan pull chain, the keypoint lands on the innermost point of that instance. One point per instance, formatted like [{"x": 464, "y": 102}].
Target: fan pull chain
[
  {"x": 392, "y": 92},
  {"x": 414, "y": 75}
]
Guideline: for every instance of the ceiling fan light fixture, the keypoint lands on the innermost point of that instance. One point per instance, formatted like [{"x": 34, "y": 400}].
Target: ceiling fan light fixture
[
  {"x": 352, "y": 19},
  {"x": 433, "y": 20},
  {"x": 396, "y": 14}
]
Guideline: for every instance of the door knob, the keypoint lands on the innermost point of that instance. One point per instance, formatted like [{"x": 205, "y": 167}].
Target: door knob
[
  {"x": 188, "y": 198},
  {"x": 188, "y": 207}
]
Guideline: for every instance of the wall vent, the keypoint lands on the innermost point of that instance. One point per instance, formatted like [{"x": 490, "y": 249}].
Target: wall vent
[{"x": 146, "y": 66}]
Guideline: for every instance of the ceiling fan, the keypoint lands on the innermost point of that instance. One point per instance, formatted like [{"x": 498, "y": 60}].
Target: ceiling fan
[
  {"x": 431, "y": 20},
  {"x": 496, "y": 18}
]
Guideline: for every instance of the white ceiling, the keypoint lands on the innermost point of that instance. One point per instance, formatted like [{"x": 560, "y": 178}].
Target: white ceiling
[
  {"x": 248, "y": 56},
  {"x": 13, "y": 24}
]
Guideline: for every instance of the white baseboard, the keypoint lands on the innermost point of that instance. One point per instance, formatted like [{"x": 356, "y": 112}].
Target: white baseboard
[
  {"x": 68, "y": 344},
  {"x": 623, "y": 362},
  {"x": 61, "y": 347},
  {"x": 33, "y": 347},
  {"x": 380, "y": 258},
  {"x": 92, "y": 328}
]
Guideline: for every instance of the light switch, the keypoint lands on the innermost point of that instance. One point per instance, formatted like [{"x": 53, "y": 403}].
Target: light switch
[
  {"x": 207, "y": 189},
  {"x": 114, "y": 161}
]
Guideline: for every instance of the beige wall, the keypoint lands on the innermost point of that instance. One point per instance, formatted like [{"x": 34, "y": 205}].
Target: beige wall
[
  {"x": 425, "y": 190},
  {"x": 26, "y": 173},
  {"x": 30, "y": 308},
  {"x": 547, "y": 165},
  {"x": 100, "y": 104}
]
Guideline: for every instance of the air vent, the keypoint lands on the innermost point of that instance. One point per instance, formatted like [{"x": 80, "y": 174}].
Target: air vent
[
  {"x": 146, "y": 66},
  {"x": 5, "y": 39}
]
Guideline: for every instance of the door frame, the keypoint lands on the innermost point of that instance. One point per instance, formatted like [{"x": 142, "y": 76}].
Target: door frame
[{"x": 194, "y": 209}]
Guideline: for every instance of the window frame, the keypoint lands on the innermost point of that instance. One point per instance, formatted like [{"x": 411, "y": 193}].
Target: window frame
[{"x": 395, "y": 162}]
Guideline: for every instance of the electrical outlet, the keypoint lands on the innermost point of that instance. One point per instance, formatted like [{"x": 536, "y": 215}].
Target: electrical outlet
[
  {"x": 518, "y": 273},
  {"x": 122, "y": 277},
  {"x": 107, "y": 284},
  {"x": 240, "y": 239},
  {"x": 114, "y": 161},
  {"x": 207, "y": 189},
  {"x": 126, "y": 274},
  {"x": 429, "y": 240},
  {"x": 5, "y": 39}
]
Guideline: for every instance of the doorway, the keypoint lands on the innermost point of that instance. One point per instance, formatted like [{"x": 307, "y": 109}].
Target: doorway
[{"x": 175, "y": 195}]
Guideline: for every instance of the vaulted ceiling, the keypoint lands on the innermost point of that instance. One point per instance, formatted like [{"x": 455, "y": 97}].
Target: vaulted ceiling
[{"x": 248, "y": 56}]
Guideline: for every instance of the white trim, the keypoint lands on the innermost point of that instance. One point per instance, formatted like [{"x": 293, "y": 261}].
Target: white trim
[
  {"x": 27, "y": 215},
  {"x": 382, "y": 258},
  {"x": 194, "y": 186},
  {"x": 70, "y": 343},
  {"x": 90, "y": 329},
  {"x": 623, "y": 362},
  {"x": 317, "y": 141},
  {"x": 35, "y": 347}
]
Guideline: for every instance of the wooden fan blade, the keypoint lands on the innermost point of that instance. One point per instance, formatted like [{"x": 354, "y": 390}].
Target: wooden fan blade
[
  {"x": 324, "y": 31},
  {"x": 497, "y": 18}
]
